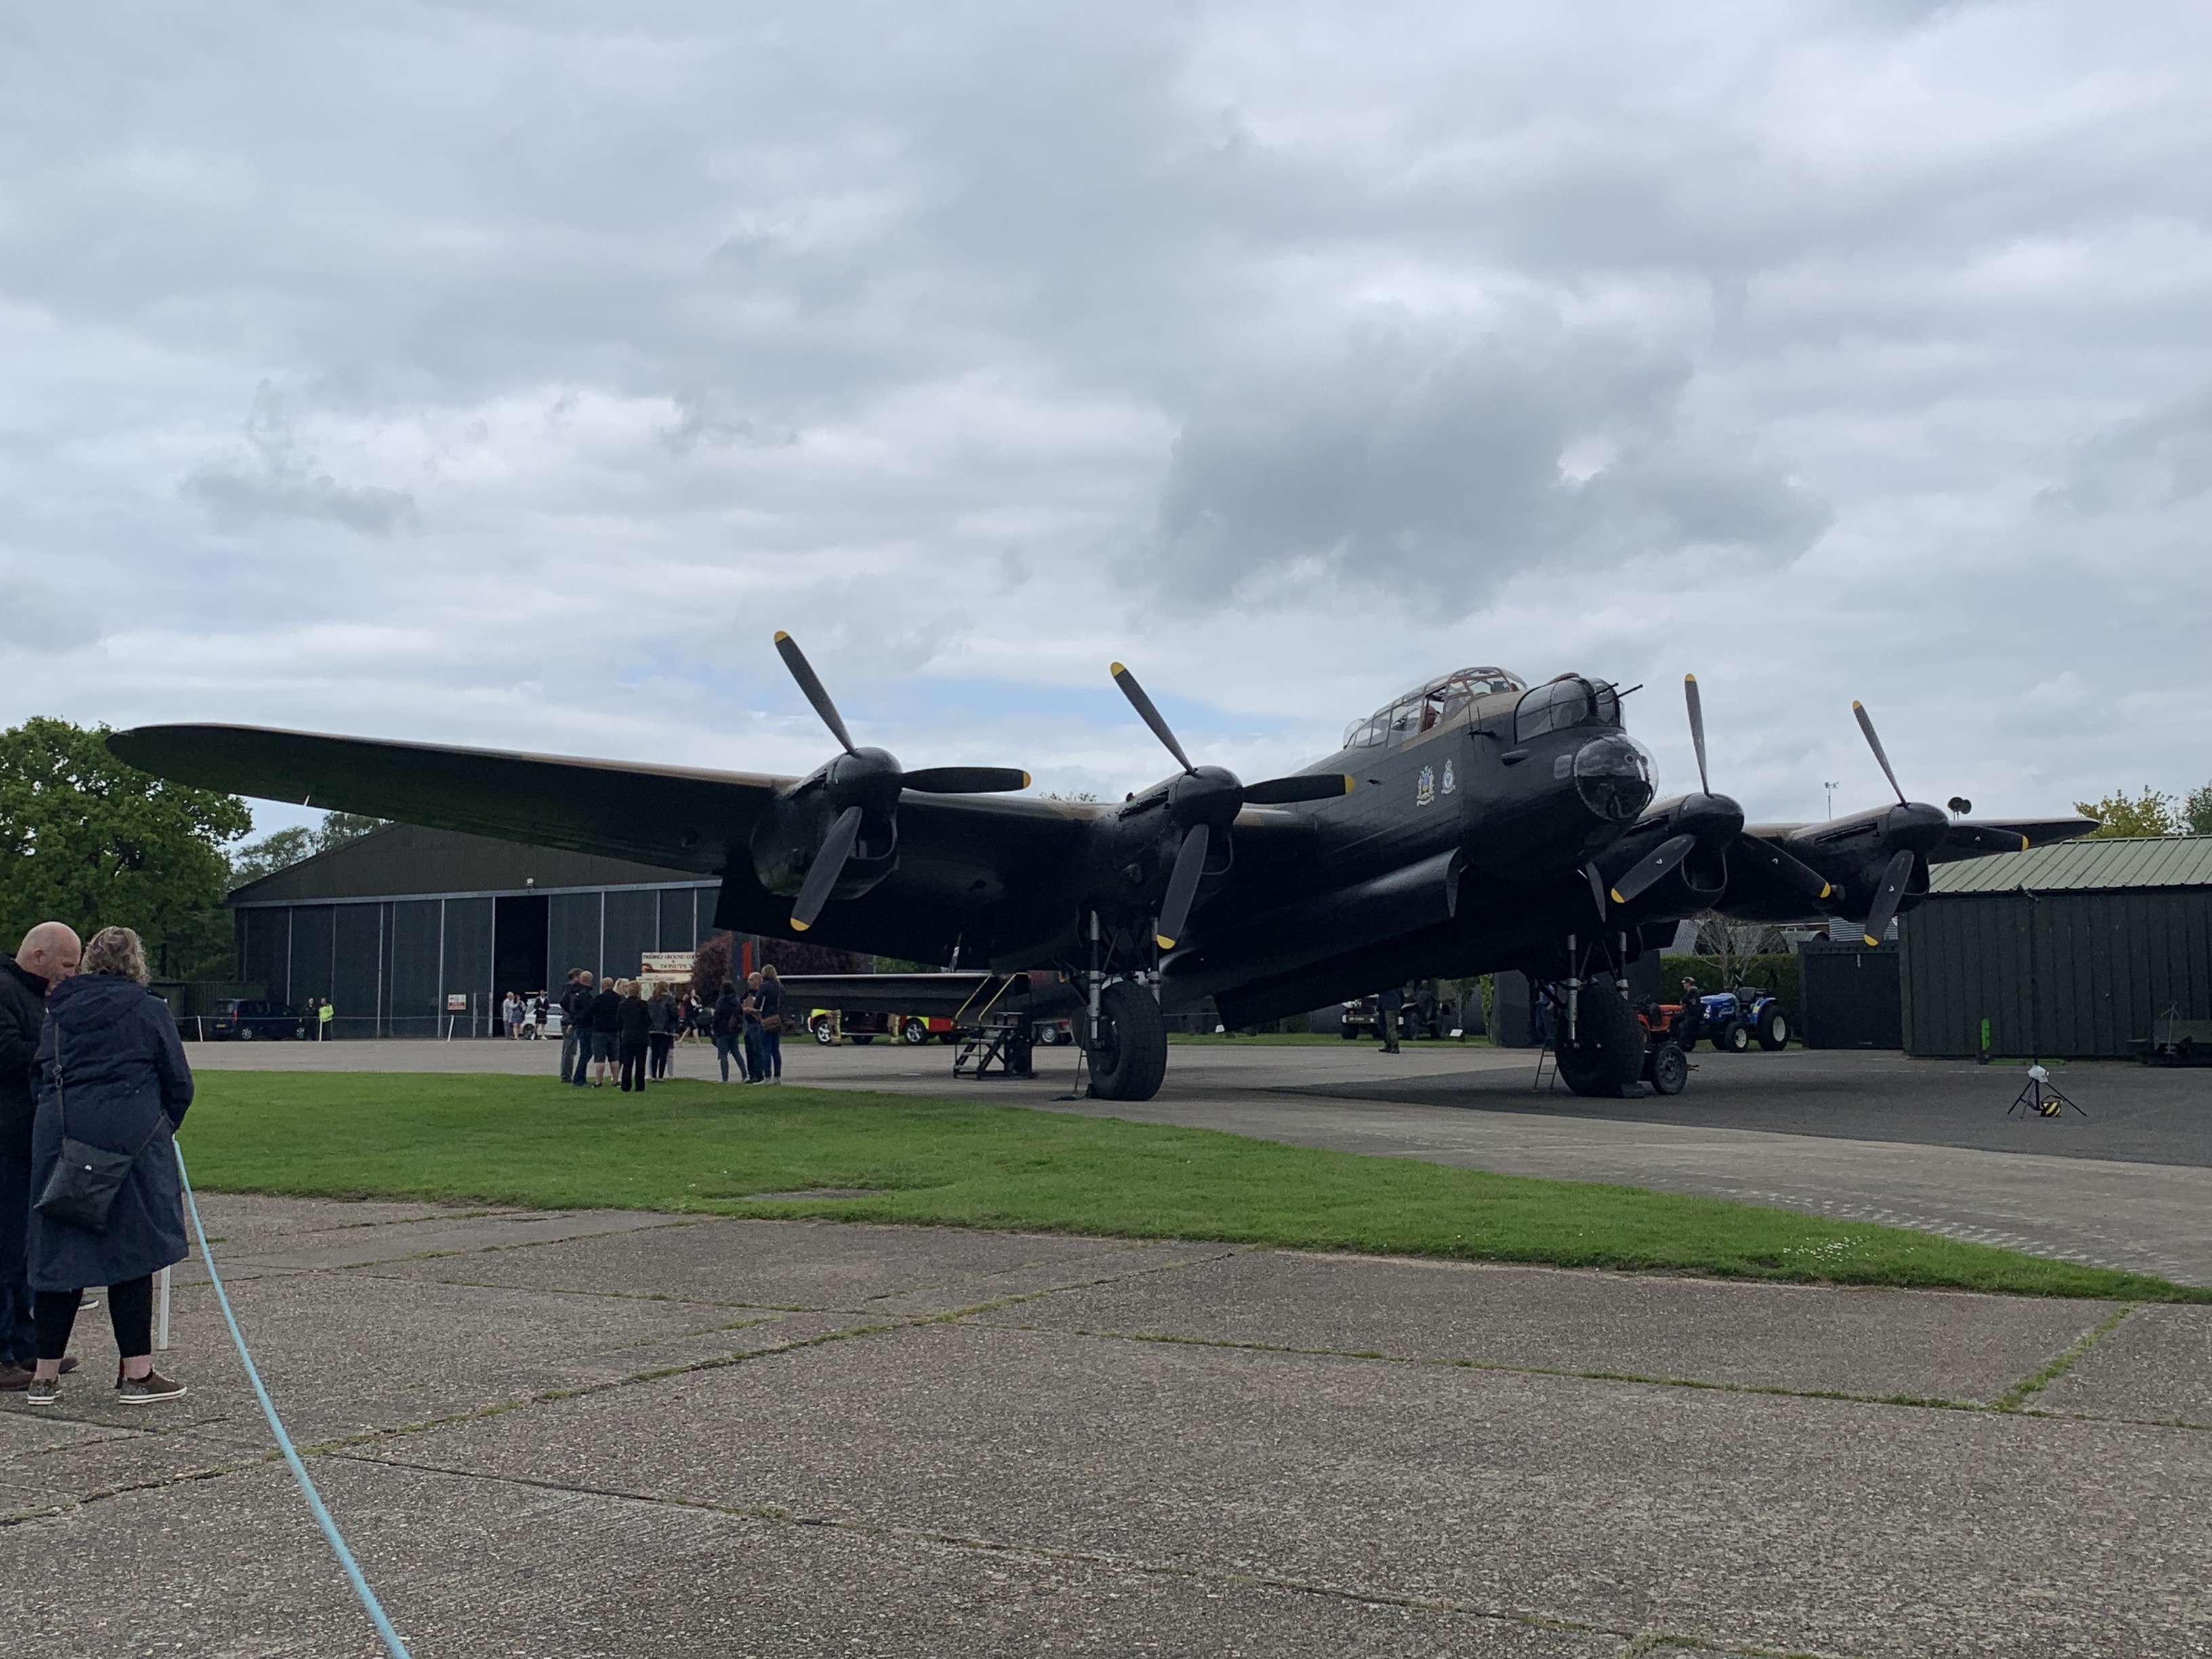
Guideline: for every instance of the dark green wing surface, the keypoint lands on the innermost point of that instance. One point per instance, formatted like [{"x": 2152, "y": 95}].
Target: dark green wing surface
[{"x": 678, "y": 817}]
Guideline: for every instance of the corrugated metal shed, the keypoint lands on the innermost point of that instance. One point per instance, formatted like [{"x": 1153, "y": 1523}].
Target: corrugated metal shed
[
  {"x": 2082, "y": 866},
  {"x": 2067, "y": 950}
]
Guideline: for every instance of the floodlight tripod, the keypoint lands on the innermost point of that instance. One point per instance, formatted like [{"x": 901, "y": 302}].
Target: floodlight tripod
[{"x": 2040, "y": 1095}]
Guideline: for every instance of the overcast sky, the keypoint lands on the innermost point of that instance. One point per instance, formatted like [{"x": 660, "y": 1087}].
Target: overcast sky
[{"x": 507, "y": 375}]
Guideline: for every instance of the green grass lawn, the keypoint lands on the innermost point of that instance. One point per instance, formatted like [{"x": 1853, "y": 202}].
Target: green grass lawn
[{"x": 704, "y": 1147}]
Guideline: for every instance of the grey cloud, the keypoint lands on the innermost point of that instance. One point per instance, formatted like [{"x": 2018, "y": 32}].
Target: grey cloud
[
  {"x": 1443, "y": 471},
  {"x": 2158, "y": 458},
  {"x": 38, "y": 617},
  {"x": 271, "y": 479}
]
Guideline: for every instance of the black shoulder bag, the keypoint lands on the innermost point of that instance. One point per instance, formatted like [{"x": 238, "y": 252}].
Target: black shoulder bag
[{"x": 87, "y": 1178}]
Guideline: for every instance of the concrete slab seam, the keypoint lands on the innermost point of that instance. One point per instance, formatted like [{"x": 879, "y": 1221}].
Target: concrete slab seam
[
  {"x": 2062, "y": 1362},
  {"x": 85, "y": 1500},
  {"x": 1638, "y": 1641}
]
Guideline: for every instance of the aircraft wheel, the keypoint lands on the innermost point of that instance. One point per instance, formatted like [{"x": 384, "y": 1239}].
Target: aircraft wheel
[
  {"x": 914, "y": 1032},
  {"x": 1733, "y": 1038},
  {"x": 1130, "y": 1058},
  {"x": 1607, "y": 1052},
  {"x": 1670, "y": 1069},
  {"x": 1773, "y": 1031}
]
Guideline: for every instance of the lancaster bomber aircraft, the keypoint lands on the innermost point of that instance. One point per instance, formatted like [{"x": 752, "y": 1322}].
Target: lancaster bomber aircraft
[{"x": 1476, "y": 823}]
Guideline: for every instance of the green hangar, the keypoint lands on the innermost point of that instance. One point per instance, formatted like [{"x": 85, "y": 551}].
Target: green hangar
[
  {"x": 405, "y": 925},
  {"x": 2067, "y": 951}
]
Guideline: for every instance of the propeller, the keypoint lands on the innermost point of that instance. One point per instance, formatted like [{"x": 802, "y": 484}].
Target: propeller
[
  {"x": 863, "y": 784},
  {"x": 1206, "y": 799},
  {"x": 1920, "y": 828},
  {"x": 1665, "y": 857}
]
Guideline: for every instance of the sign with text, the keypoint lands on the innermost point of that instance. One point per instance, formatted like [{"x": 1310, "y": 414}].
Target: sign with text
[{"x": 457, "y": 1002}]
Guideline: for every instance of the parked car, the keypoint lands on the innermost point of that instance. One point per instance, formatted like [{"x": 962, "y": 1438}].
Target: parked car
[{"x": 255, "y": 1020}]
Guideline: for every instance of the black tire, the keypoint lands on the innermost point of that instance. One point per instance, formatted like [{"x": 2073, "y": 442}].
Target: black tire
[
  {"x": 1733, "y": 1038},
  {"x": 1773, "y": 1031},
  {"x": 1669, "y": 1069},
  {"x": 246, "y": 1033},
  {"x": 1130, "y": 1059},
  {"x": 824, "y": 1032},
  {"x": 1348, "y": 1034},
  {"x": 914, "y": 1032},
  {"x": 1607, "y": 1054},
  {"x": 864, "y": 1038}
]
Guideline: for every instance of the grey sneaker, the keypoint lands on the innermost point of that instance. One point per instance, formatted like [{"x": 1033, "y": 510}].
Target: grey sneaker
[
  {"x": 147, "y": 1390},
  {"x": 44, "y": 1390}
]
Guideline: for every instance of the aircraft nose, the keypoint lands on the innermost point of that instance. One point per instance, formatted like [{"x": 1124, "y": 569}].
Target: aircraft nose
[{"x": 1614, "y": 778}]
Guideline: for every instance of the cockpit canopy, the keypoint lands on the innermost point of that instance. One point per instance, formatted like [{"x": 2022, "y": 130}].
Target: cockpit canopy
[
  {"x": 1568, "y": 700},
  {"x": 1445, "y": 698}
]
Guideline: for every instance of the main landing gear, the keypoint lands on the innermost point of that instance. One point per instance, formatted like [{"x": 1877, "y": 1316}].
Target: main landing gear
[
  {"x": 1603, "y": 1050},
  {"x": 1123, "y": 1033}
]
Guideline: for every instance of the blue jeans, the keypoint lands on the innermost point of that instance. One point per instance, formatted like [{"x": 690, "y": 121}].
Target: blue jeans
[
  {"x": 19, "y": 1342},
  {"x": 726, "y": 1044},
  {"x": 771, "y": 1050},
  {"x": 572, "y": 1041}
]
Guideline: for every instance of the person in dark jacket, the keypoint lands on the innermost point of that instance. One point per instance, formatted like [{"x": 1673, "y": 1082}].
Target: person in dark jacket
[
  {"x": 603, "y": 1016},
  {"x": 728, "y": 1024},
  {"x": 667, "y": 1020},
  {"x": 576, "y": 1025},
  {"x": 110, "y": 1072},
  {"x": 1389, "y": 1004},
  {"x": 47, "y": 956},
  {"x": 634, "y": 1034},
  {"x": 771, "y": 1026}
]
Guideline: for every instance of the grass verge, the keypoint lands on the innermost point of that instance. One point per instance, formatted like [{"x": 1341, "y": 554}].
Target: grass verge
[{"x": 704, "y": 1148}]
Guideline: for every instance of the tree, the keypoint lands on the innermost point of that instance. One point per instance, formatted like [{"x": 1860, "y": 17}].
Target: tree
[
  {"x": 2196, "y": 810},
  {"x": 282, "y": 848},
  {"x": 86, "y": 840},
  {"x": 2124, "y": 815}
]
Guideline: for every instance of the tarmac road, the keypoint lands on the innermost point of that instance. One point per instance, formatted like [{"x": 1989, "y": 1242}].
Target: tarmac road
[
  {"x": 618, "y": 1435},
  {"x": 1877, "y": 1137}
]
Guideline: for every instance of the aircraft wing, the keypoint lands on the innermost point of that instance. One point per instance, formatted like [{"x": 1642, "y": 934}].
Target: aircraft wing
[
  {"x": 1969, "y": 838},
  {"x": 674, "y": 816}
]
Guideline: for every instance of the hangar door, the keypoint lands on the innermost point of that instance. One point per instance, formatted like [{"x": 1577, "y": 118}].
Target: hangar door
[{"x": 1849, "y": 996}]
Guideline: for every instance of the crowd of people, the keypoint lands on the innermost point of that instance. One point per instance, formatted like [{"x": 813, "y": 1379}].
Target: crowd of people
[
  {"x": 607, "y": 1022},
  {"x": 89, "y": 1061}
]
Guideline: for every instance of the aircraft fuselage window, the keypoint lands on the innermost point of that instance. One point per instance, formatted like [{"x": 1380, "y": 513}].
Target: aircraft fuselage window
[{"x": 1439, "y": 704}]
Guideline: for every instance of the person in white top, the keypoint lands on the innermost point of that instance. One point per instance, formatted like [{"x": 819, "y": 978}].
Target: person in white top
[{"x": 511, "y": 1011}]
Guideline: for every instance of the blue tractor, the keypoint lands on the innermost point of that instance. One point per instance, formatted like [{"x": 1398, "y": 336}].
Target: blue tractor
[{"x": 1734, "y": 1020}]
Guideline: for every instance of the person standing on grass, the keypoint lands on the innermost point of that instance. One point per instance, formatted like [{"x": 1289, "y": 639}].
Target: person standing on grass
[
  {"x": 771, "y": 1026},
  {"x": 47, "y": 956},
  {"x": 605, "y": 1015},
  {"x": 727, "y": 1023},
  {"x": 110, "y": 1072},
  {"x": 667, "y": 1016},
  {"x": 634, "y": 1032},
  {"x": 576, "y": 1026}
]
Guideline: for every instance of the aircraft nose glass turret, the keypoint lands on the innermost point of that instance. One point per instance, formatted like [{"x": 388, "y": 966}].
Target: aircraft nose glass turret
[{"x": 1614, "y": 778}]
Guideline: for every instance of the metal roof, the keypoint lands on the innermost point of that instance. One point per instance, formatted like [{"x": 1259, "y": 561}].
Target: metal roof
[{"x": 2094, "y": 866}]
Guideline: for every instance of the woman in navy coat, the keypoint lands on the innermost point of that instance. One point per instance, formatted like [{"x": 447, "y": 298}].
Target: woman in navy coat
[{"x": 110, "y": 1063}]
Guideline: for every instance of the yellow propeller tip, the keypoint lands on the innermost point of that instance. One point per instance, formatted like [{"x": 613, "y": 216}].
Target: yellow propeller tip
[
  {"x": 1351, "y": 783},
  {"x": 1690, "y": 679},
  {"x": 1116, "y": 670},
  {"x": 798, "y": 926},
  {"x": 1025, "y": 780},
  {"x": 1617, "y": 898},
  {"x": 781, "y": 636},
  {"x": 1163, "y": 941},
  {"x": 1825, "y": 889},
  {"x": 1872, "y": 940},
  {"x": 1856, "y": 703}
]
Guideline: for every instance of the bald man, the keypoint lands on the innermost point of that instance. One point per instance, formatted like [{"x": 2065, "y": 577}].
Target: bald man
[{"x": 47, "y": 956}]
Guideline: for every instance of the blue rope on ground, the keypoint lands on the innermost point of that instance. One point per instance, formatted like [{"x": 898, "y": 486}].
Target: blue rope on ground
[{"x": 369, "y": 1600}]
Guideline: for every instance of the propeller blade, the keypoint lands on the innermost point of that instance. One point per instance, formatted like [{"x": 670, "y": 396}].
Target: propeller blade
[
  {"x": 965, "y": 780},
  {"x": 1794, "y": 871},
  {"x": 1893, "y": 880},
  {"x": 1660, "y": 861},
  {"x": 1150, "y": 715},
  {"x": 1306, "y": 786},
  {"x": 1597, "y": 891},
  {"x": 1986, "y": 838},
  {"x": 828, "y": 864},
  {"x": 1866, "y": 726},
  {"x": 1697, "y": 728},
  {"x": 803, "y": 672},
  {"x": 1183, "y": 886}
]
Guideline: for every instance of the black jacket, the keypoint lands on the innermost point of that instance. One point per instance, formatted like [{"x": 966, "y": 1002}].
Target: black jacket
[
  {"x": 605, "y": 1014},
  {"x": 727, "y": 1018},
  {"x": 22, "y": 1012},
  {"x": 633, "y": 1019},
  {"x": 576, "y": 1005},
  {"x": 123, "y": 1080}
]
